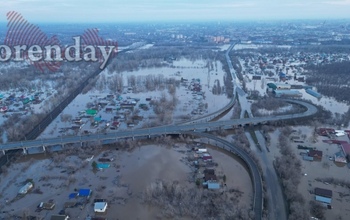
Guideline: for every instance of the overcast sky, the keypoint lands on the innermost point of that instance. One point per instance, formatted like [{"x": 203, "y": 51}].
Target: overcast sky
[{"x": 165, "y": 10}]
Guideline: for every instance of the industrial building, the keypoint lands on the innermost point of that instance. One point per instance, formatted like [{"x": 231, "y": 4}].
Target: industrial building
[
  {"x": 287, "y": 93},
  {"x": 279, "y": 86},
  {"x": 313, "y": 93},
  {"x": 283, "y": 86}
]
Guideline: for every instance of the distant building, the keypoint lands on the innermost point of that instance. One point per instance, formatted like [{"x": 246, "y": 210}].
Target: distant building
[
  {"x": 272, "y": 86},
  {"x": 287, "y": 93},
  {"x": 256, "y": 78},
  {"x": 283, "y": 86},
  {"x": 279, "y": 86},
  {"x": 313, "y": 93},
  {"x": 282, "y": 76},
  {"x": 301, "y": 79}
]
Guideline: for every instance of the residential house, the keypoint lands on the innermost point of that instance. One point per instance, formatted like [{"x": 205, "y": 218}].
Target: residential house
[
  {"x": 323, "y": 195},
  {"x": 84, "y": 193},
  {"x": 207, "y": 157},
  {"x": 100, "y": 206},
  {"x": 59, "y": 217},
  {"x": 209, "y": 177},
  {"x": 316, "y": 154},
  {"x": 26, "y": 188}
]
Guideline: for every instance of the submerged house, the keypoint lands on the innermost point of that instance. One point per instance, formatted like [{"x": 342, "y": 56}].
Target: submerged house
[
  {"x": 26, "y": 188},
  {"x": 316, "y": 154},
  {"x": 323, "y": 195},
  {"x": 100, "y": 206},
  {"x": 59, "y": 217},
  {"x": 84, "y": 193}
]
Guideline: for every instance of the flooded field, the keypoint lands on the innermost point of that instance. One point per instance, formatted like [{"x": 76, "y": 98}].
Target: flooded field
[
  {"x": 325, "y": 168},
  {"x": 122, "y": 184},
  {"x": 192, "y": 97}
]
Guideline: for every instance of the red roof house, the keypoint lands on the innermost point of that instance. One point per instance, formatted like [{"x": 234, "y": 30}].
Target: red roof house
[{"x": 346, "y": 148}]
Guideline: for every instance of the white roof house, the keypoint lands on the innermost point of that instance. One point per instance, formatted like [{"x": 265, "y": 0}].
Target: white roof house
[
  {"x": 26, "y": 188},
  {"x": 100, "y": 206}
]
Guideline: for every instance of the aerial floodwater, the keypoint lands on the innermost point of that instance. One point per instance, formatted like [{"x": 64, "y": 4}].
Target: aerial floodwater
[{"x": 174, "y": 110}]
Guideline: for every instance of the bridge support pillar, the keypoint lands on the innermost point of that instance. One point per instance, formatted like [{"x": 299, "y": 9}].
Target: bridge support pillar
[
  {"x": 149, "y": 136},
  {"x": 4, "y": 152},
  {"x": 25, "y": 151},
  {"x": 44, "y": 148},
  {"x": 81, "y": 144}
]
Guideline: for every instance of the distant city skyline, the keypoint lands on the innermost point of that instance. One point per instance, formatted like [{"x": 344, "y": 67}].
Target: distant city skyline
[{"x": 180, "y": 10}]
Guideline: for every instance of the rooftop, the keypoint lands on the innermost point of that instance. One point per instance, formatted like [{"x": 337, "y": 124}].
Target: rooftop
[
  {"x": 315, "y": 153},
  {"x": 346, "y": 148},
  {"x": 323, "y": 192}
]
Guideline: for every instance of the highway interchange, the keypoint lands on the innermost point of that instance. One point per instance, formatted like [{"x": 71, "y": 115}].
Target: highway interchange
[{"x": 196, "y": 127}]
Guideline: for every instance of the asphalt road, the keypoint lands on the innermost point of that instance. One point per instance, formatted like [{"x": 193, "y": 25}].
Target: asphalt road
[
  {"x": 276, "y": 204},
  {"x": 277, "y": 208},
  {"x": 252, "y": 166},
  {"x": 232, "y": 101},
  {"x": 169, "y": 129}
]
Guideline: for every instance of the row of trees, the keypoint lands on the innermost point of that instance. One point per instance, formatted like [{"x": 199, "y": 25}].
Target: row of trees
[
  {"x": 269, "y": 103},
  {"x": 288, "y": 168},
  {"x": 155, "y": 57},
  {"x": 177, "y": 201},
  {"x": 164, "y": 108},
  {"x": 331, "y": 79}
]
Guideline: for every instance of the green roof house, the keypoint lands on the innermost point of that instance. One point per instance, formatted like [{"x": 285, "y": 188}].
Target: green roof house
[{"x": 91, "y": 112}]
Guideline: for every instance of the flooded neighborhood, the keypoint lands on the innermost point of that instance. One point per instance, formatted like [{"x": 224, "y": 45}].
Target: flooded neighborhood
[{"x": 174, "y": 110}]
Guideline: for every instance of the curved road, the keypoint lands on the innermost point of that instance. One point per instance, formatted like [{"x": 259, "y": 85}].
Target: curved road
[
  {"x": 232, "y": 100},
  {"x": 252, "y": 167},
  {"x": 170, "y": 129}
]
